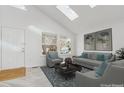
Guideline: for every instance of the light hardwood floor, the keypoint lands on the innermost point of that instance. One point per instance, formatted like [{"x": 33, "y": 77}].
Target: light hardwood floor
[{"x": 34, "y": 78}]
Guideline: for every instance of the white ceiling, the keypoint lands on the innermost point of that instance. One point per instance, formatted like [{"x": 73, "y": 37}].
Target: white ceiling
[{"x": 88, "y": 17}]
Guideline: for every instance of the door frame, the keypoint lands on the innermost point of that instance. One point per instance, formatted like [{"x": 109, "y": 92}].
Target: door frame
[
  {"x": 2, "y": 26},
  {"x": 1, "y": 47}
]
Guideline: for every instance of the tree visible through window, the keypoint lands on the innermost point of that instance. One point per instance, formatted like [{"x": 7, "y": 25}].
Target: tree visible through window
[{"x": 65, "y": 45}]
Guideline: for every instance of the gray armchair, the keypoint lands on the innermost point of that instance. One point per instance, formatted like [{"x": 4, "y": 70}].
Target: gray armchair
[
  {"x": 113, "y": 76},
  {"x": 52, "y": 58}
]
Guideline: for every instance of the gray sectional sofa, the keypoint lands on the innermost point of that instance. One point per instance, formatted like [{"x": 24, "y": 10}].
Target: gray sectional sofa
[
  {"x": 113, "y": 76},
  {"x": 92, "y": 59}
]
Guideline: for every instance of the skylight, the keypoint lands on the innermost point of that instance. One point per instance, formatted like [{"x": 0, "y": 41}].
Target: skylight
[
  {"x": 22, "y": 7},
  {"x": 68, "y": 12},
  {"x": 92, "y": 6}
]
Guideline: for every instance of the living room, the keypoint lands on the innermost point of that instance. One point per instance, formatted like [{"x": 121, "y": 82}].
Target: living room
[{"x": 32, "y": 34}]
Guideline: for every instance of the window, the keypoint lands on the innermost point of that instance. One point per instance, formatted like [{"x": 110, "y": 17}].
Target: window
[
  {"x": 65, "y": 45},
  {"x": 49, "y": 42}
]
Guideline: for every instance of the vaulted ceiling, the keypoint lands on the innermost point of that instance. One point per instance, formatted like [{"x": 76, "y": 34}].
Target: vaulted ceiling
[{"x": 88, "y": 17}]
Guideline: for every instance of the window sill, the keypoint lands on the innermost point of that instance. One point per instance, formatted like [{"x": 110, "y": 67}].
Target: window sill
[{"x": 65, "y": 54}]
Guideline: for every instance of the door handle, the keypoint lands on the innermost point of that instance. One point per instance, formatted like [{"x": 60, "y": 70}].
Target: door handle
[{"x": 23, "y": 50}]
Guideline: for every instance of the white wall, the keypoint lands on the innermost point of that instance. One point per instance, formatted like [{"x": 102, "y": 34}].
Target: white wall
[
  {"x": 117, "y": 36},
  {"x": 34, "y": 22}
]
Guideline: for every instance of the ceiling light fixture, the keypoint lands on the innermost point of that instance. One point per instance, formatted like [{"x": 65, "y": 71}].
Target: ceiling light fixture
[
  {"x": 68, "y": 12},
  {"x": 22, "y": 7}
]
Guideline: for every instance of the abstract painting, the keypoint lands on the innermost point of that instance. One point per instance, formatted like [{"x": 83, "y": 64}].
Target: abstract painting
[
  {"x": 99, "y": 41},
  {"x": 89, "y": 41},
  {"x": 104, "y": 40}
]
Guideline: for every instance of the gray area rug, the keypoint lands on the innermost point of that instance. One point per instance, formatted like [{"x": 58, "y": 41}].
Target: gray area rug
[{"x": 58, "y": 80}]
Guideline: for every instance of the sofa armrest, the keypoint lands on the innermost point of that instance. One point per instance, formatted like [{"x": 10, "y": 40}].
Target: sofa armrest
[
  {"x": 82, "y": 80},
  {"x": 49, "y": 59},
  {"x": 60, "y": 58}
]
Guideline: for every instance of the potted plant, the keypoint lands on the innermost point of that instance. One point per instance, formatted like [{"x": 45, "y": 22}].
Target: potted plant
[{"x": 120, "y": 53}]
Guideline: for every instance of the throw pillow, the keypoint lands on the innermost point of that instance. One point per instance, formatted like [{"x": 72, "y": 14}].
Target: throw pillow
[
  {"x": 100, "y": 57},
  {"x": 53, "y": 54},
  {"x": 101, "y": 69},
  {"x": 84, "y": 55}
]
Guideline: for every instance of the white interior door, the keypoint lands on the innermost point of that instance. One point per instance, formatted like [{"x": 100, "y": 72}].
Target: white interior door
[
  {"x": 0, "y": 48},
  {"x": 12, "y": 48}
]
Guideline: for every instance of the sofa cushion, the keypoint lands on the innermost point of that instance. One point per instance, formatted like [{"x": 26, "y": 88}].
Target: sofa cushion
[
  {"x": 84, "y": 55},
  {"x": 92, "y": 56},
  {"x": 107, "y": 56},
  {"x": 100, "y": 70},
  {"x": 100, "y": 57},
  {"x": 53, "y": 54},
  {"x": 87, "y": 61},
  {"x": 90, "y": 74}
]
